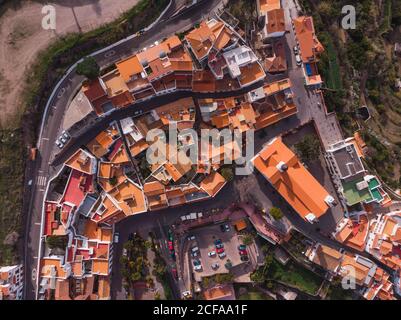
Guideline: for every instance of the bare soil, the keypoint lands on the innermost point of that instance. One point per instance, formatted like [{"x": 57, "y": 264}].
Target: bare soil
[{"x": 22, "y": 37}]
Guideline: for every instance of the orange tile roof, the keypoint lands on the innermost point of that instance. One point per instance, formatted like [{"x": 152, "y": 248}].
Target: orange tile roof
[
  {"x": 129, "y": 67},
  {"x": 100, "y": 266},
  {"x": 48, "y": 263},
  {"x": 220, "y": 292},
  {"x": 213, "y": 183},
  {"x": 274, "y": 87},
  {"x": 81, "y": 161},
  {"x": 129, "y": 197},
  {"x": 275, "y": 21},
  {"x": 295, "y": 184},
  {"x": 268, "y": 5},
  {"x": 203, "y": 81},
  {"x": 138, "y": 147},
  {"x": 251, "y": 73},
  {"x": 201, "y": 40},
  {"x": 103, "y": 141},
  {"x": 350, "y": 264},
  {"x": 328, "y": 258},
  {"x": 104, "y": 288},
  {"x": 92, "y": 231},
  {"x": 62, "y": 291},
  {"x": 309, "y": 45}
]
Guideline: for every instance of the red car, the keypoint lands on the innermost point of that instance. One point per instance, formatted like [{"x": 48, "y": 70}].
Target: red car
[
  {"x": 174, "y": 272},
  {"x": 243, "y": 253},
  {"x": 170, "y": 245},
  {"x": 220, "y": 250}
]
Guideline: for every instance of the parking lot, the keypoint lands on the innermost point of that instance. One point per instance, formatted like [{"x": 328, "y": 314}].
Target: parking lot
[{"x": 204, "y": 240}]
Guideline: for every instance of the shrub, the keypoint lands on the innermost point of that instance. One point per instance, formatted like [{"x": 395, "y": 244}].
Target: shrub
[
  {"x": 276, "y": 213},
  {"x": 88, "y": 68}
]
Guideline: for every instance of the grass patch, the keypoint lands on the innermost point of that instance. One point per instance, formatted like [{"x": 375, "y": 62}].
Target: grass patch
[
  {"x": 254, "y": 295},
  {"x": 296, "y": 276},
  {"x": 329, "y": 63},
  {"x": 11, "y": 181}
]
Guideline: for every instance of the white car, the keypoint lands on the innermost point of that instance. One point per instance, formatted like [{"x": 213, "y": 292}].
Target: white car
[
  {"x": 190, "y": 238},
  {"x": 296, "y": 50},
  {"x": 63, "y": 140},
  {"x": 215, "y": 266},
  {"x": 116, "y": 237},
  {"x": 65, "y": 134},
  {"x": 222, "y": 255},
  {"x": 211, "y": 253},
  {"x": 125, "y": 252},
  {"x": 198, "y": 268},
  {"x": 298, "y": 60},
  {"x": 59, "y": 144}
]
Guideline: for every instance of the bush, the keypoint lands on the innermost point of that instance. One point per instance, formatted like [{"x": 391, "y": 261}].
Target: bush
[
  {"x": 59, "y": 242},
  {"x": 227, "y": 173},
  {"x": 88, "y": 68},
  {"x": 276, "y": 213},
  {"x": 308, "y": 148}
]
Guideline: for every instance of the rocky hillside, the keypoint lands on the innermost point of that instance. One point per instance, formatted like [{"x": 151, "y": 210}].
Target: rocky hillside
[{"x": 360, "y": 68}]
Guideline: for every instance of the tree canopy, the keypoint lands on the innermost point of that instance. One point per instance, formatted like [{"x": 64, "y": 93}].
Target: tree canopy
[{"x": 88, "y": 68}]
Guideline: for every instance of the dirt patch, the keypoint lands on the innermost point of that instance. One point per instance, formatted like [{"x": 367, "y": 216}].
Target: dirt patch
[{"x": 22, "y": 37}]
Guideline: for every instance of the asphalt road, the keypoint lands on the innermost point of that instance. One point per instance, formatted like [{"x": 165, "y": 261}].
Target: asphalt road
[{"x": 42, "y": 170}]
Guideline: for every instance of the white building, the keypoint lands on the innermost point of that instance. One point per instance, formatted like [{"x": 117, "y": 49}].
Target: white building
[{"x": 11, "y": 282}]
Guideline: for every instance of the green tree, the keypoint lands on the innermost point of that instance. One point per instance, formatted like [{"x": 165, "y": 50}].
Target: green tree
[
  {"x": 308, "y": 148},
  {"x": 248, "y": 239},
  {"x": 57, "y": 242},
  {"x": 227, "y": 173},
  {"x": 88, "y": 68},
  {"x": 276, "y": 213}
]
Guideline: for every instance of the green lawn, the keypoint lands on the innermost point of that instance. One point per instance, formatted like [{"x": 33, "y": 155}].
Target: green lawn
[
  {"x": 296, "y": 276},
  {"x": 254, "y": 295}
]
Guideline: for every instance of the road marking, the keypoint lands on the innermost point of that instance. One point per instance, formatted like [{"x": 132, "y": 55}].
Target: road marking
[
  {"x": 37, "y": 223},
  {"x": 46, "y": 139},
  {"x": 41, "y": 181}
]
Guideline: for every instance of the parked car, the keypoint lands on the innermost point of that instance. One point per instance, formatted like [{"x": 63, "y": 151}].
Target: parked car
[
  {"x": 220, "y": 250},
  {"x": 296, "y": 49},
  {"x": 66, "y": 135},
  {"x": 298, "y": 60},
  {"x": 116, "y": 237},
  {"x": 242, "y": 247},
  {"x": 194, "y": 254},
  {"x": 215, "y": 266},
  {"x": 196, "y": 262},
  {"x": 186, "y": 294},
  {"x": 228, "y": 264},
  {"x": 59, "y": 144},
  {"x": 191, "y": 238},
  {"x": 222, "y": 255},
  {"x": 125, "y": 252},
  {"x": 243, "y": 253},
  {"x": 219, "y": 246},
  {"x": 174, "y": 273},
  {"x": 212, "y": 254},
  {"x": 217, "y": 242},
  {"x": 224, "y": 227},
  {"x": 198, "y": 268},
  {"x": 170, "y": 245},
  {"x": 170, "y": 235},
  {"x": 63, "y": 140},
  {"x": 244, "y": 258},
  {"x": 195, "y": 249}
]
